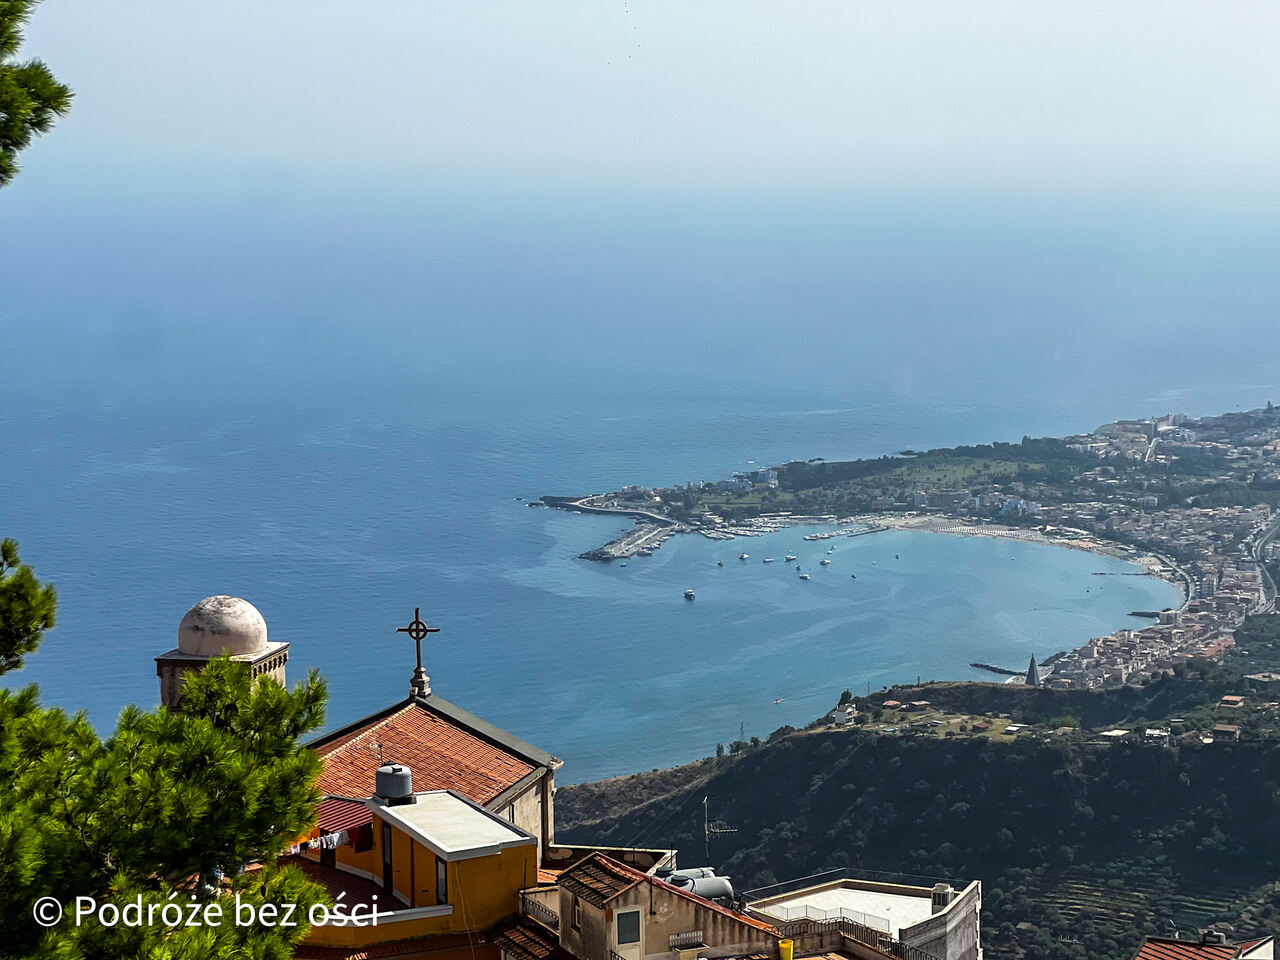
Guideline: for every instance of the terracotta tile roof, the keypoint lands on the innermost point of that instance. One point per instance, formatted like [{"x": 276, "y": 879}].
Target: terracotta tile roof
[
  {"x": 1157, "y": 948},
  {"x": 526, "y": 939},
  {"x": 335, "y": 881},
  {"x": 441, "y": 754},
  {"x": 547, "y": 876},
  {"x": 598, "y": 879},
  {"x": 339, "y": 813},
  {"x": 416, "y": 947}
]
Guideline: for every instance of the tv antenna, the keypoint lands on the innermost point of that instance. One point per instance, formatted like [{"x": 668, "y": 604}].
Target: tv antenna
[{"x": 711, "y": 827}]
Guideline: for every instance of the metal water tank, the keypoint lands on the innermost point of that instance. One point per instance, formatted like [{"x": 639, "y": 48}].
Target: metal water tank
[
  {"x": 394, "y": 783},
  {"x": 692, "y": 873},
  {"x": 713, "y": 888}
]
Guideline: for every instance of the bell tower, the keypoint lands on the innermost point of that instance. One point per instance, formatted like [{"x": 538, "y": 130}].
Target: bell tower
[{"x": 219, "y": 627}]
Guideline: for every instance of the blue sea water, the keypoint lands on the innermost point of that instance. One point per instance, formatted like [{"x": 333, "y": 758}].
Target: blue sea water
[
  {"x": 336, "y": 522},
  {"x": 333, "y": 415}
]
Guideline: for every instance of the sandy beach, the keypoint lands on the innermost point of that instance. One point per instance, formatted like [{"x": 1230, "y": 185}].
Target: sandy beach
[{"x": 1153, "y": 565}]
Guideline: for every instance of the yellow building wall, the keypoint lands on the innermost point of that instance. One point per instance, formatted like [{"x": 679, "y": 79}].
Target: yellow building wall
[
  {"x": 367, "y": 861},
  {"x": 483, "y": 891},
  {"x": 486, "y": 890},
  {"x": 424, "y": 866}
]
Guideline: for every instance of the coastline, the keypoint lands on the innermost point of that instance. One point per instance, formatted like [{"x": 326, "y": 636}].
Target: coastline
[
  {"x": 649, "y": 536},
  {"x": 1153, "y": 565}
]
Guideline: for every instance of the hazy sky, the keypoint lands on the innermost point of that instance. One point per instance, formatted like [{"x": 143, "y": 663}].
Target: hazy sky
[
  {"x": 841, "y": 181},
  {"x": 687, "y": 95}
]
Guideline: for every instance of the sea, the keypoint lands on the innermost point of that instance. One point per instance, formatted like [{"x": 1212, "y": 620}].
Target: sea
[{"x": 342, "y": 413}]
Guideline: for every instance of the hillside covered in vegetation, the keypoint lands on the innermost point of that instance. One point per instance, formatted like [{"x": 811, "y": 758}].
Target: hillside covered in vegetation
[{"x": 1083, "y": 846}]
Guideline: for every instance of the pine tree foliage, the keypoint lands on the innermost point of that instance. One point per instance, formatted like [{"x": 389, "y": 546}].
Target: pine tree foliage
[
  {"x": 170, "y": 808},
  {"x": 30, "y": 97},
  {"x": 26, "y": 606}
]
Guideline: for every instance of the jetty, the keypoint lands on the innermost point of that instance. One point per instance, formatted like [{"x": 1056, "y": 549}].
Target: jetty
[
  {"x": 992, "y": 668},
  {"x": 644, "y": 539}
]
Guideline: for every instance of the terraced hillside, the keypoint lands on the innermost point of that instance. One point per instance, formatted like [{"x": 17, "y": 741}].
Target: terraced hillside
[{"x": 1082, "y": 848}]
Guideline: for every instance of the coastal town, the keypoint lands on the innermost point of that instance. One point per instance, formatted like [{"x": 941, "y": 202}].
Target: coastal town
[{"x": 1190, "y": 500}]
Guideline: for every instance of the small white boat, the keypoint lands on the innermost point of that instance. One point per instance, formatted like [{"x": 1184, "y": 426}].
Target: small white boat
[
  {"x": 623, "y": 563},
  {"x": 688, "y": 594},
  {"x": 824, "y": 561},
  {"x": 804, "y": 576},
  {"x": 745, "y": 556},
  {"x": 719, "y": 563},
  {"x": 768, "y": 559},
  {"x": 789, "y": 557},
  {"x": 831, "y": 550}
]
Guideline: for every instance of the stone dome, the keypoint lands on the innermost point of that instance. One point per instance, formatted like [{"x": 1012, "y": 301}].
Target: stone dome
[{"x": 222, "y": 625}]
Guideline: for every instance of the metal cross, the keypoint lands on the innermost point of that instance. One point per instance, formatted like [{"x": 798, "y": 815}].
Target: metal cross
[{"x": 418, "y": 631}]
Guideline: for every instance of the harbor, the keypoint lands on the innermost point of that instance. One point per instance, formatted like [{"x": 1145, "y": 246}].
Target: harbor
[
  {"x": 653, "y": 529},
  {"x": 640, "y": 542}
]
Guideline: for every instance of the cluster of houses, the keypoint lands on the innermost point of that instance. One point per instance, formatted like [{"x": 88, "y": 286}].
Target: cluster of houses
[
  {"x": 436, "y": 833},
  {"x": 1201, "y": 630}
]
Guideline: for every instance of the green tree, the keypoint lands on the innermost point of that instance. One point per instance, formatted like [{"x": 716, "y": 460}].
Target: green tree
[
  {"x": 172, "y": 803},
  {"x": 26, "y": 606},
  {"x": 30, "y": 97}
]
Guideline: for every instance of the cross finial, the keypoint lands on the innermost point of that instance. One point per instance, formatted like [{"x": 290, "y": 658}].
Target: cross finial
[{"x": 420, "y": 686}]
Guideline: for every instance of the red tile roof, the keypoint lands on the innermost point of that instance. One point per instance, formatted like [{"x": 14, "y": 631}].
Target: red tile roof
[
  {"x": 416, "y": 947},
  {"x": 598, "y": 879},
  {"x": 441, "y": 755},
  {"x": 1157, "y": 948},
  {"x": 526, "y": 939},
  {"x": 338, "y": 813},
  {"x": 335, "y": 881}
]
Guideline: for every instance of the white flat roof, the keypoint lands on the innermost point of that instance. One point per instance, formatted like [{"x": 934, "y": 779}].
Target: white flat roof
[
  {"x": 900, "y": 910},
  {"x": 451, "y": 826}
]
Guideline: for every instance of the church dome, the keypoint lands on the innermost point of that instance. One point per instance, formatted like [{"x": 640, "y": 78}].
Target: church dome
[{"x": 219, "y": 626}]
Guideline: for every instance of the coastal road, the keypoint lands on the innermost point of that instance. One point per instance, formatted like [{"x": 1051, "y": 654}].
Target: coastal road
[{"x": 1265, "y": 536}]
